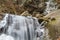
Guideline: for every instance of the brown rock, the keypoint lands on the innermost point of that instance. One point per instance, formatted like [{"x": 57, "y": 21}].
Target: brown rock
[
  {"x": 58, "y": 1},
  {"x": 54, "y": 25}
]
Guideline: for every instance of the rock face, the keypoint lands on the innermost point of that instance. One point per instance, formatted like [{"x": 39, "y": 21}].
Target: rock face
[
  {"x": 54, "y": 24},
  {"x": 58, "y": 1},
  {"x": 58, "y": 4}
]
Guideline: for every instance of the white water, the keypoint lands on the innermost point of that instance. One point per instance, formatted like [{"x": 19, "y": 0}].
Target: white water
[
  {"x": 51, "y": 6},
  {"x": 6, "y": 37},
  {"x": 20, "y": 28}
]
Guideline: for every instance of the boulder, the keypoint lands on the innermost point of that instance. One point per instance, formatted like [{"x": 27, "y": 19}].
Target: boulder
[{"x": 53, "y": 24}]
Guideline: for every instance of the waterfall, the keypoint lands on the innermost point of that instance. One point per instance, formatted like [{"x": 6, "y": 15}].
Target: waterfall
[
  {"x": 51, "y": 6},
  {"x": 16, "y": 27}
]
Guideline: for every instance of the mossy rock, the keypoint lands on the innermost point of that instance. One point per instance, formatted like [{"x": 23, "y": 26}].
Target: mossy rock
[{"x": 54, "y": 25}]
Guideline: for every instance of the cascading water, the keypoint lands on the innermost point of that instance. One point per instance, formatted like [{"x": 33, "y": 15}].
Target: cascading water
[
  {"x": 20, "y": 28},
  {"x": 51, "y": 6}
]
